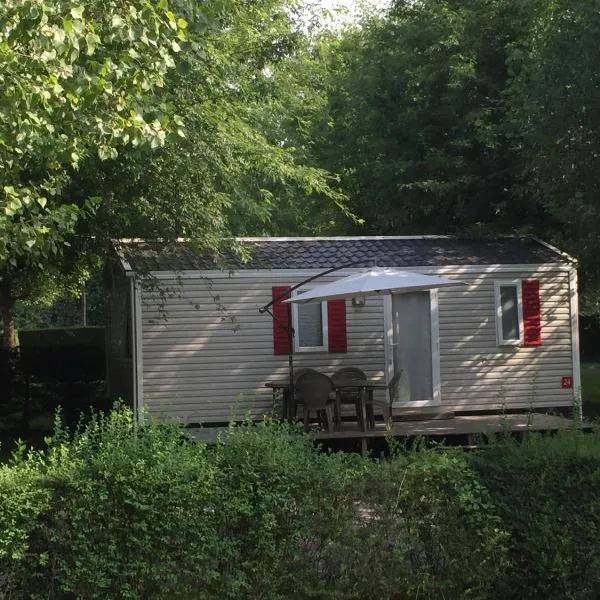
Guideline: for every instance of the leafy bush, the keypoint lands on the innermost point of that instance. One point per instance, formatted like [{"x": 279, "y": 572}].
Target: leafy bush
[
  {"x": 547, "y": 492},
  {"x": 119, "y": 512},
  {"x": 428, "y": 530},
  {"x": 281, "y": 502},
  {"x": 124, "y": 511}
]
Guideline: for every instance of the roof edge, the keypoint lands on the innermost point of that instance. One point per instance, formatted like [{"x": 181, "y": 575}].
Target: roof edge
[{"x": 558, "y": 251}]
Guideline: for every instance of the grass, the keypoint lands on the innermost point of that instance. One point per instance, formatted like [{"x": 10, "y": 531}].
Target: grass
[{"x": 590, "y": 389}]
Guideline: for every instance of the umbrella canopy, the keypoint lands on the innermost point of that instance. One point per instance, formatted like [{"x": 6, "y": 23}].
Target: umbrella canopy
[{"x": 374, "y": 282}]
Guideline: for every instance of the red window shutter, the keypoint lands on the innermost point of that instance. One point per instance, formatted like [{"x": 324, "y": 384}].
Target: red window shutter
[
  {"x": 336, "y": 325},
  {"x": 281, "y": 320},
  {"x": 532, "y": 326}
]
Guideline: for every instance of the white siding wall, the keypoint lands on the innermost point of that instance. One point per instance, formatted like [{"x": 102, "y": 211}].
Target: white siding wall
[
  {"x": 476, "y": 373},
  {"x": 202, "y": 364}
]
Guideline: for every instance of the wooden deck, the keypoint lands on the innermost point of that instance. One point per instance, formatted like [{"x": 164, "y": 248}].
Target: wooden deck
[
  {"x": 457, "y": 425},
  {"x": 453, "y": 427}
]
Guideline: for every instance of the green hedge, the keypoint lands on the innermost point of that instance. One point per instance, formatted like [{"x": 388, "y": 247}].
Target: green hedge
[
  {"x": 64, "y": 366},
  {"x": 546, "y": 490},
  {"x": 121, "y": 511},
  {"x": 62, "y": 336}
]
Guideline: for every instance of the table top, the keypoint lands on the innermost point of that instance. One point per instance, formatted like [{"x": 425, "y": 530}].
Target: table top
[{"x": 373, "y": 384}]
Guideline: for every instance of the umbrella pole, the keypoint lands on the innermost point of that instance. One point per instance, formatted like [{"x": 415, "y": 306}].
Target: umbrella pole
[
  {"x": 291, "y": 404},
  {"x": 289, "y": 409}
]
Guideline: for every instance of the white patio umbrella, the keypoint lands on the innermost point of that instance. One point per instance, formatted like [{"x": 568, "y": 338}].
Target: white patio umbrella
[{"x": 377, "y": 281}]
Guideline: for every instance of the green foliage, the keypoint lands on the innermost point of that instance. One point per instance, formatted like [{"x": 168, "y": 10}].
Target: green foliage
[
  {"x": 426, "y": 529},
  {"x": 232, "y": 172},
  {"x": 414, "y": 118},
  {"x": 554, "y": 114},
  {"x": 547, "y": 493},
  {"x": 63, "y": 336},
  {"x": 76, "y": 78},
  {"x": 58, "y": 307},
  {"x": 590, "y": 389},
  {"x": 125, "y": 513},
  {"x": 280, "y": 504}
]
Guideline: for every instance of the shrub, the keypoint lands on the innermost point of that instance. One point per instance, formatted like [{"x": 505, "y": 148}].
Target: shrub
[
  {"x": 281, "y": 502},
  {"x": 547, "y": 491},
  {"x": 122, "y": 511},
  {"x": 119, "y": 512},
  {"x": 427, "y": 530}
]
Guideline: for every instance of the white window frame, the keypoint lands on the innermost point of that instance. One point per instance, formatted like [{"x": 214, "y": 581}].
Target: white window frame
[
  {"x": 295, "y": 325},
  {"x": 516, "y": 283}
]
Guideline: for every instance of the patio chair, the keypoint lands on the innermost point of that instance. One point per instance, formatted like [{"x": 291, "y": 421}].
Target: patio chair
[
  {"x": 297, "y": 395},
  {"x": 350, "y": 395},
  {"x": 299, "y": 372},
  {"x": 316, "y": 390},
  {"x": 384, "y": 404}
]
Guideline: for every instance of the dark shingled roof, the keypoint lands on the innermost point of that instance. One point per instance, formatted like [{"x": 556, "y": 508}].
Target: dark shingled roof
[{"x": 323, "y": 253}]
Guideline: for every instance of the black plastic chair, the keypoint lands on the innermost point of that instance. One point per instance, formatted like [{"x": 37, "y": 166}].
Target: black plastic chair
[
  {"x": 316, "y": 391},
  {"x": 297, "y": 395},
  {"x": 350, "y": 395},
  {"x": 384, "y": 404}
]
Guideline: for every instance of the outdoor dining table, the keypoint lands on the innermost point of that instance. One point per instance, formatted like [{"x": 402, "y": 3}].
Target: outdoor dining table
[{"x": 369, "y": 385}]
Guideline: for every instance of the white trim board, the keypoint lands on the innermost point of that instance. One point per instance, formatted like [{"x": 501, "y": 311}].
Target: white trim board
[
  {"x": 388, "y": 338},
  {"x": 565, "y": 255},
  {"x": 291, "y": 273},
  {"x": 435, "y": 348},
  {"x": 574, "y": 312},
  {"x": 345, "y": 238},
  {"x": 138, "y": 365}
]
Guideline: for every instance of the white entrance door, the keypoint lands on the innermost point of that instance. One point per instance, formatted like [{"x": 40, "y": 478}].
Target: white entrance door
[{"x": 413, "y": 347}]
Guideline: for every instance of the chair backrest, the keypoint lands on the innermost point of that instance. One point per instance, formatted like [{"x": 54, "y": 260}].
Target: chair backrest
[
  {"x": 393, "y": 385},
  {"x": 299, "y": 372},
  {"x": 316, "y": 389},
  {"x": 349, "y": 373}
]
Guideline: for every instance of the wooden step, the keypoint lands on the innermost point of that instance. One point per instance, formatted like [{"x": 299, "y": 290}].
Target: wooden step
[{"x": 421, "y": 414}]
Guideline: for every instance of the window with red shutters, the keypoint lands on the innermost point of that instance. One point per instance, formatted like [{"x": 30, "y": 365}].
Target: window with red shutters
[{"x": 331, "y": 319}]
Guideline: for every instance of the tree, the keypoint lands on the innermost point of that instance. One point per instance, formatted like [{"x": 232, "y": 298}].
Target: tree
[
  {"x": 75, "y": 78},
  {"x": 221, "y": 176},
  {"x": 417, "y": 112},
  {"x": 555, "y": 118},
  {"x": 234, "y": 172}
]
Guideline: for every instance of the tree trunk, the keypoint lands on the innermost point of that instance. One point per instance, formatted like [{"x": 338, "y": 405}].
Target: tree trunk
[
  {"x": 7, "y": 305},
  {"x": 10, "y": 358}
]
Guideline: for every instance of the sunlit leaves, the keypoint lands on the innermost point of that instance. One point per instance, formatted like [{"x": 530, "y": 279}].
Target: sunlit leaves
[{"x": 76, "y": 77}]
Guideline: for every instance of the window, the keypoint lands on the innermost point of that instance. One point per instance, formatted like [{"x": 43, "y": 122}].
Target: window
[
  {"x": 323, "y": 324},
  {"x": 310, "y": 326},
  {"x": 509, "y": 312}
]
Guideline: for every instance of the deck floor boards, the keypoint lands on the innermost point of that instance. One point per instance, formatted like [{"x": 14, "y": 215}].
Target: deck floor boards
[{"x": 457, "y": 426}]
